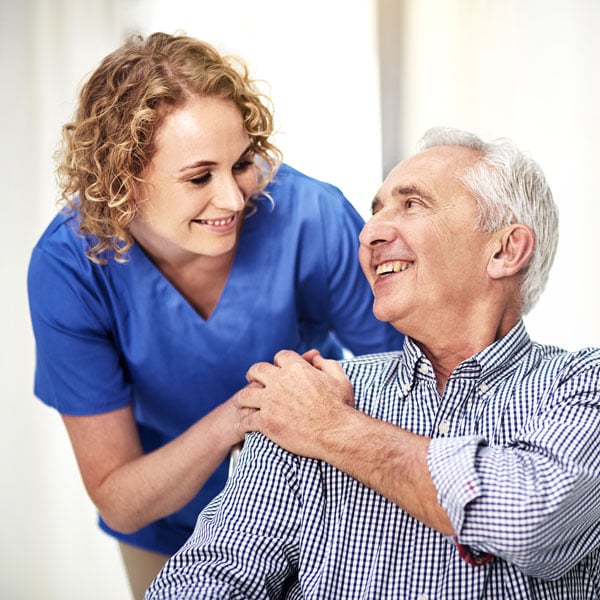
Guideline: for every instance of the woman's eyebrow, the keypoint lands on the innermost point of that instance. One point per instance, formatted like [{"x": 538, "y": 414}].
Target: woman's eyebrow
[
  {"x": 196, "y": 164},
  {"x": 210, "y": 163}
]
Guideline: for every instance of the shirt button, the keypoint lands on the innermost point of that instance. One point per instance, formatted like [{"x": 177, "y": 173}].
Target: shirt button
[
  {"x": 484, "y": 387},
  {"x": 444, "y": 427},
  {"x": 424, "y": 369},
  {"x": 406, "y": 387},
  {"x": 423, "y": 597}
]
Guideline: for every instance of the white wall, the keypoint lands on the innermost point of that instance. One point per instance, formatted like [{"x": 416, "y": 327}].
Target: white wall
[
  {"x": 525, "y": 69},
  {"x": 50, "y": 546}
]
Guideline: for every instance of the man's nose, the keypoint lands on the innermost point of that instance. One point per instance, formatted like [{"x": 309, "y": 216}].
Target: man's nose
[{"x": 376, "y": 231}]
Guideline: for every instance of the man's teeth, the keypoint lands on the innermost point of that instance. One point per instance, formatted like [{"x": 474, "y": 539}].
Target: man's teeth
[{"x": 394, "y": 266}]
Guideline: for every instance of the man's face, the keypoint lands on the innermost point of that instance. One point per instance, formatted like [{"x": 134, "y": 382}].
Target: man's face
[{"x": 421, "y": 252}]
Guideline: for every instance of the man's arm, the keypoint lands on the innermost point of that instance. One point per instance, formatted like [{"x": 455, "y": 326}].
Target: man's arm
[
  {"x": 536, "y": 500},
  {"x": 306, "y": 406},
  {"x": 241, "y": 547},
  {"x": 533, "y": 501}
]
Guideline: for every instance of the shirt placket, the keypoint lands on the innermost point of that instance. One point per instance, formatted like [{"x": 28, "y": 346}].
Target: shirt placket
[{"x": 452, "y": 417}]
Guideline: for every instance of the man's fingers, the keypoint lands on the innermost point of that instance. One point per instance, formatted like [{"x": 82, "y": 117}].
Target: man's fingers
[
  {"x": 287, "y": 357},
  {"x": 259, "y": 371},
  {"x": 330, "y": 366},
  {"x": 310, "y": 355},
  {"x": 335, "y": 371}
]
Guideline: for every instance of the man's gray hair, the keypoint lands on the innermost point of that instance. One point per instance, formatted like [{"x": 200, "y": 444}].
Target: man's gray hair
[{"x": 509, "y": 188}]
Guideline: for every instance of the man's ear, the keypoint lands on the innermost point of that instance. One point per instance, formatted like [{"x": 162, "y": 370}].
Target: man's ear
[{"x": 512, "y": 250}]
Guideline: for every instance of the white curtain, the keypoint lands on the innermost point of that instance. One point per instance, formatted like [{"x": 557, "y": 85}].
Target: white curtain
[{"x": 525, "y": 69}]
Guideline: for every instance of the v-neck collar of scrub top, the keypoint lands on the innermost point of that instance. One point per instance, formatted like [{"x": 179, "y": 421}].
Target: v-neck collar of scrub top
[{"x": 249, "y": 276}]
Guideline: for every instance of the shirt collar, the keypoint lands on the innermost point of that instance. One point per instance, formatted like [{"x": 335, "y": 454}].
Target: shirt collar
[{"x": 491, "y": 363}]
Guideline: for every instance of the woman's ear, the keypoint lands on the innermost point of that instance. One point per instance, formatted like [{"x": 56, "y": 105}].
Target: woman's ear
[{"x": 513, "y": 250}]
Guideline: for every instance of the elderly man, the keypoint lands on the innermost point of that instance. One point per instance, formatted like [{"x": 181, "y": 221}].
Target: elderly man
[{"x": 465, "y": 466}]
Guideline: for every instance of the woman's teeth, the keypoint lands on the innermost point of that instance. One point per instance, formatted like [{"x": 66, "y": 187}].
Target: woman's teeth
[{"x": 217, "y": 222}]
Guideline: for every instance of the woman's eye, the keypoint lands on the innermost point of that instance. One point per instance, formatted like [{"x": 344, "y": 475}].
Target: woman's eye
[
  {"x": 242, "y": 165},
  {"x": 201, "y": 180}
]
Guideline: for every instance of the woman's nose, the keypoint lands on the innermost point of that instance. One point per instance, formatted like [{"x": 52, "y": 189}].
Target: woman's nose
[{"x": 229, "y": 195}]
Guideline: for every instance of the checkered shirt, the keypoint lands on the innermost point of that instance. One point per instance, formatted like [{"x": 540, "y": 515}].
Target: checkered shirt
[{"x": 515, "y": 459}]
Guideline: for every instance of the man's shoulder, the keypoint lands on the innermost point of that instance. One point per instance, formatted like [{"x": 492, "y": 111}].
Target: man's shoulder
[
  {"x": 376, "y": 358},
  {"x": 552, "y": 374},
  {"x": 559, "y": 359}
]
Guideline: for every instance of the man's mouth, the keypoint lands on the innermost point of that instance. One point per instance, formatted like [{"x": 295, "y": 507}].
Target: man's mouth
[{"x": 393, "y": 266}]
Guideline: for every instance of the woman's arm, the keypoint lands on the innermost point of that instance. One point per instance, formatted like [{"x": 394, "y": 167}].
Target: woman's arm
[
  {"x": 130, "y": 489},
  {"x": 80, "y": 372}
]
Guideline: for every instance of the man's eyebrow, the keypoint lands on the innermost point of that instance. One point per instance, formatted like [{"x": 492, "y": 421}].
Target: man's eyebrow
[
  {"x": 411, "y": 190},
  {"x": 402, "y": 190}
]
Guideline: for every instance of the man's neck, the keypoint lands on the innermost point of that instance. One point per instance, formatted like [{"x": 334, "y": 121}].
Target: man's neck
[{"x": 447, "y": 349}]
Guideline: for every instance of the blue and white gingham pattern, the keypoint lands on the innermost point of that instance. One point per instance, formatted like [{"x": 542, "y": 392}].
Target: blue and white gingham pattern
[{"x": 515, "y": 457}]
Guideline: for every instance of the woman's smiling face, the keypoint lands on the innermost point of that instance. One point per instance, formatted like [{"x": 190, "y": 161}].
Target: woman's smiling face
[{"x": 197, "y": 184}]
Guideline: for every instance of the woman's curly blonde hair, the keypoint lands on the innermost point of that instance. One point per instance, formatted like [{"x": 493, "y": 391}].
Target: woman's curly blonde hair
[{"x": 121, "y": 106}]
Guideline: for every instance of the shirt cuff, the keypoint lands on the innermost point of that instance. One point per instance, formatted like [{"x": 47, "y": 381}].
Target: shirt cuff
[
  {"x": 473, "y": 557},
  {"x": 451, "y": 463}
]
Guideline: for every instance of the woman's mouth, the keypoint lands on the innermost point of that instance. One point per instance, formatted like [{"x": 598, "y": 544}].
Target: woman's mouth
[{"x": 223, "y": 224}]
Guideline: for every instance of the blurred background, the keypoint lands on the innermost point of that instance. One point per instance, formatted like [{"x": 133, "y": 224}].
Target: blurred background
[{"x": 354, "y": 84}]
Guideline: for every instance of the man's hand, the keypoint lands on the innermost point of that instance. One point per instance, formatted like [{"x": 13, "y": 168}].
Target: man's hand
[
  {"x": 299, "y": 401},
  {"x": 306, "y": 405}
]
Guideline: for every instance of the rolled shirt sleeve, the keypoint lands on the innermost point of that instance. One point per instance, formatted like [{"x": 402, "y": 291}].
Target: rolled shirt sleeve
[{"x": 533, "y": 501}]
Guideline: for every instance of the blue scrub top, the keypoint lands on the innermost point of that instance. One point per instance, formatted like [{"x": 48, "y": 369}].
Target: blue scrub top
[{"x": 114, "y": 334}]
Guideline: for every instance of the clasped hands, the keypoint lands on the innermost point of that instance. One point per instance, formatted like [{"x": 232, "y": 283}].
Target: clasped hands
[{"x": 299, "y": 402}]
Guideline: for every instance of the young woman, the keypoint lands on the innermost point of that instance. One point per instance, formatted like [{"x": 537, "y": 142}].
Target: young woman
[{"x": 185, "y": 252}]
